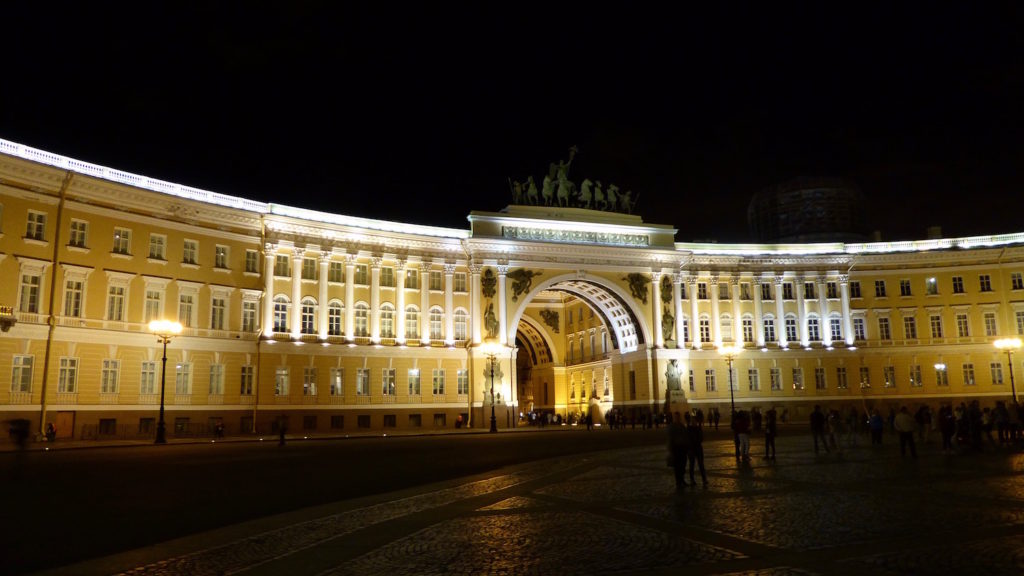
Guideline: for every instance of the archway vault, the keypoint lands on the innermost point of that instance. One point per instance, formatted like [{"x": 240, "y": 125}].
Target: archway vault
[
  {"x": 609, "y": 300},
  {"x": 541, "y": 349}
]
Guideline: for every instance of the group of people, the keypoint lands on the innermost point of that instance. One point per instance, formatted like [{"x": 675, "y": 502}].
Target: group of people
[{"x": 686, "y": 449}]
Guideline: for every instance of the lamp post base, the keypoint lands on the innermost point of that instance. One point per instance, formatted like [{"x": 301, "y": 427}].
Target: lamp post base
[{"x": 161, "y": 433}]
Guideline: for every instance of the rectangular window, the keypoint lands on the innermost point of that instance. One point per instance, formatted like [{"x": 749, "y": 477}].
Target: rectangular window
[
  {"x": 787, "y": 291},
  {"x": 29, "y": 299},
  {"x": 281, "y": 381},
  {"x": 819, "y": 378},
  {"x": 909, "y": 327},
  {"x": 769, "y": 330},
  {"x": 309, "y": 271},
  {"x": 884, "y": 331},
  {"x": 158, "y": 247},
  {"x": 462, "y": 382},
  {"x": 361, "y": 278},
  {"x": 78, "y": 235},
  {"x": 185, "y": 302},
  {"x": 122, "y": 241},
  {"x": 246, "y": 380},
  {"x": 183, "y": 378},
  {"x": 841, "y": 378},
  {"x": 705, "y": 330},
  {"x": 723, "y": 291},
  {"x": 936, "y": 322},
  {"x": 889, "y": 375},
  {"x": 798, "y": 378},
  {"x": 282, "y": 265},
  {"x": 958, "y": 285},
  {"x": 813, "y": 330},
  {"x": 963, "y": 326},
  {"x": 1017, "y": 281},
  {"x": 387, "y": 277},
  {"x": 693, "y": 385},
  {"x": 859, "y": 329},
  {"x": 1020, "y": 322},
  {"x": 775, "y": 378},
  {"x": 753, "y": 379},
  {"x": 115, "y": 303},
  {"x": 831, "y": 290},
  {"x": 153, "y": 301},
  {"x": 931, "y": 286},
  {"x": 67, "y": 378},
  {"x": 835, "y": 327},
  {"x": 855, "y": 289},
  {"x": 190, "y": 252},
  {"x": 709, "y": 380},
  {"x": 865, "y": 377},
  {"x": 996, "y": 369},
  {"x": 220, "y": 256},
  {"x": 435, "y": 280},
  {"x": 809, "y": 290},
  {"x": 309, "y": 381},
  {"x": 248, "y": 316},
  {"x": 941, "y": 375},
  {"x": 109, "y": 376},
  {"x": 21, "y": 374},
  {"x": 460, "y": 281},
  {"x": 702, "y": 291},
  {"x": 362, "y": 382},
  {"x": 217, "y": 310},
  {"x": 915, "y": 376},
  {"x": 968, "y": 374},
  {"x": 984, "y": 283},
  {"x": 414, "y": 382},
  {"x": 147, "y": 378},
  {"x": 35, "y": 229},
  {"x": 216, "y": 379},
  {"x": 73, "y": 298},
  {"x": 412, "y": 279},
  {"x": 335, "y": 272},
  {"x": 252, "y": 261},
  {"x": 879, "y": 288},
  {"x": 745, "y": 291},
  {"x": 990, "y": 324},
  {"x": 905, "y": 288},
  {"x": 766, "y": 291},
  {"x": 748, "y": 330},
  {"x": 437, "y": 382},
  {"x": 387, "y": 382},
  {"x": 337, "y": 381},
  {"x": 791, "y": 335}
]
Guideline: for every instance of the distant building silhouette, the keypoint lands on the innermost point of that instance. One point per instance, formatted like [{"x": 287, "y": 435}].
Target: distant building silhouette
[{"x": 808, "y": 210}]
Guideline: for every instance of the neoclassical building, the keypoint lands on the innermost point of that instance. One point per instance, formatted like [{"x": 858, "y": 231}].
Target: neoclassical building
[{"x": 335, "y": 323}]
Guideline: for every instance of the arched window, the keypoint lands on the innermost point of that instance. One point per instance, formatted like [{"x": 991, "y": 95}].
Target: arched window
[
  {"x": 387, "y": 321},
  {"x": 281, "y": 304},
  {"x": 705, "y": 328},
  {"x": 412, "y": 322},
  {"x": 835, "y": 323},
  {"x": 308, "y": 316},
  {"x": 362, "y": 314},
  {"x": 334, "y": 312},
  {"x": 461, "y": 322},
  {"x": 769, "y": 328},
  {"x": 791, "y": 334},
  {"x": 436, "y": 320},
  {"x": 685, "y": 320}
]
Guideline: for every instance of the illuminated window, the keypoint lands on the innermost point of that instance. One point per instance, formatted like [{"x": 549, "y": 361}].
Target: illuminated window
[
  {"x": 859, "y": 329},
  {"x": 335, "y": 272},
  {"x": 147, "y": 377},
  {"x": 79, "y": 230},
  {"x": 990, "y": 324},
  {"x": 461, "y": 323},
  {"x": 183, "y": 378},
  {"x": 855, "y": 290},
  {"x": 462, "y": 382},
  {"x": 769, "y": 329},
  {"x": 309, "y": 271},
  {"x": 460, "y": 282},
  {"x": 414, "y": 382},
  {"x": 753, "y": 379},
  {"x": 958, "y": 285},
  {"x": 412, "y": 279},
  {"x": 968, "y": 374},
  {"x": 337, "y": 381},
  {"x": 67, "y": 377},
  {"x": 281, "y": 381},
  {"x": 361, "y": 319},
  {"x": 984, "y": 283},
  {"x": 35, "y": 228},
  {"x": 889, "y": 375},
  {"x": 186, "y": 304},
  {"x": 28, "y": 300},
  {"x": 122, "y": 241},
  {"x": 248, "y": 316},
  {"x": 220, "y": 256},
  {"x": 73, "y": 298},
  {"x": 841, "y": 378},
  {"x": 308, "y": 319},
  {"x": 115, "y": 303},
  {"x": 963, "y": 326},
  {"x": 791, "y": 335},
  {"x": 437, "y": 382},
  {"x": 835, "y": 326},
  {"x": 252, "y": 262},
  {"x": 1017, "y": 281},
  {"x": 435, "y": 280},
  {"x": 334, "y": 311},
  {"x": 936, "y": 322},
  {"x": 436, "y": 318},
  {"x": 281, "y": 314},
  {"x": 360, "y": 275},
  {"x": 216, "y": 379},
  {"x": 246, "y": 380},
  {"x": 798, "y": 378},
  {"x": 157, "y": 246},
  {"x": 931, "y": 286},
  {"x": 909, "y": 327},
  {"x": 915, "y": 375},
  {"x": 865, "y": 377},
  {"x": 775, "y": 378},
  {"x": 281, "y": 265},
  {"x": 705, "y": 330},
  {"x": 21, "y": 374},
  {"x": 941, "y": 375},
  {"x": 387, "y": 321},
  {"x": 813, "y": 330},
  {"x": 884, "y": 331},
  {"x": 819, "y": 378},
  {"x": 709, "y": 380},
  {"x": 387, "y": 382},
  {"x": 309, "y": 381},
  {"x": 190, "y": 252},
  {"x": 218, "y": 309},
  {"x": 412, "y": 322},
  {"x": 154, "y": 300}
]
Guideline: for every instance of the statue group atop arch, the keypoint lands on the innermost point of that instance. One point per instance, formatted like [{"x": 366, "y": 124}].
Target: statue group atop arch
[{"x": 557, "y": 190}]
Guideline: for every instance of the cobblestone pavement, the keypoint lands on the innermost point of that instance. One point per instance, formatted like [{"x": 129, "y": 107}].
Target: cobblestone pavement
[{"x": 859, "y": 510}]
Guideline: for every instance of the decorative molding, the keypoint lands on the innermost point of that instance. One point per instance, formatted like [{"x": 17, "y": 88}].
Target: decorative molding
[{"x": 575, "y": 236}]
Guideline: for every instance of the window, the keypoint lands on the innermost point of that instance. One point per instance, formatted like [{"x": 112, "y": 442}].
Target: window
[
  {"x": 387, "y": 382},
  {"x": 73, "y": 298},
  {"x": 185, "y": 309},
  {"x": 705, "y": 330},
  {"x": 183, "y": 378},
  {"x": 109, "y": 376},
  {"x": 216, "y": 379},
  {"x": 766, "y": 291},
  {"x": 361, "y": 319},
  {"x": 915, "y": 375},
  {"x": 309, "y": 269},
  {"x": 909, "y": 327},
  {"x": 308, "y": 319},
  {"x": 835, "y": 326},
  {"x": 363, "y": 420},
  {"x": 990, "y": 324},
  {"x": 462, "y": 321},
  {"x": 462, "y": 382},
  {"x": 147, "y": 377},
  {"x": 387, "y": 277},
  {"x": 905, "y": 288},
  {"x": 702, "y": 291},
  {"x": 1020, "y": 322},
  {"x": 748, "y": 330},
  {"x": 831, "y": 290},
  {"x": 819, "y": 378},
  {"x": 334, "y": 319},
  {"x": 29, "y": 299},
  {"x": 859, "y": 329},
  {"x": 693, "y": 386},
  {"x": 309, "y": 422},
  {"x": 436, "y": 318},
  {"x": 723, "y": 291},
  {"x": 996, "y": 369},
  {"x": 958, "y": 285},
  {"x": 709, "y": 380},
  {"x": 21, "y": 374},
  {"x": 414, "y": 382},
  {"x": 154, "y": 299},
  {"x": 941, "y": 375},
  {"x": 855, "y": 290},
  {"x": 281, "y": 265},
  {"x": 775, "y": 378},
  {"x": 280, "y": 314},
  {"x": 769, "y": 330},
  {"x": 791, "y": 335},
  {"x": 632, "y": 384},
  {"x": 745, "y": 291},
  {"x": 220, "y": 256},
  {"x": 865, "y": 377},
  {"x": 248, "y": 316},
  {"x": 753, "y": 379},
  {"x": 889, "y": 376},
  {"x": 309, "y": 381},
  {"x": 412, "y": 279},
  {"x": 984, "y": 283},
  {"x": 813, "y": 330},
  {"x": 936, "y": 322},
  {"x": 798, "y": 378},
  {"x": 435, "y": 280},
  {"x": 281, "y": 381},
  {"x": 362, "y": 382},
  {"x": 884, "y": 332},
  {"x": 841, "y": 378},
  {"x": 968, "y": 374},
  {"x": 879, "y": 288},
  {"x": 387, "y": 321},
  {"x": 337, "y": 381},
  {"x": 437, "y": 382},
  {"x": 217, "y": 310},
  {"x": 931, "y": 286},
  {"x": 360, "y": 276},
  {"x": 809, "y": 290},
  {"x": 963, "y": 326},
  {"x": 724, "y": 328},
  {"x": 246, "y": 378},
  {"x": 77, "y": 237},
  {"x": 190, "y": 252},
  {"x": 115, "y": 303},
  {"x": 335, "y": 272},
  {"x": 787, "y": 291},
  {"x": 252, "y": 262},
  {"x": 460, "y": 281},
  {"x": 412, "y": 322},
  {"x": 35, "y": 228},
  {"x": 67, "y": 379},
  {"x": 1017, "y": 281}
]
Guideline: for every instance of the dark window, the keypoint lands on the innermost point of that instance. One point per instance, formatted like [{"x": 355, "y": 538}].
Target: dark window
[
  {"x": 440, "y": 420},
  {"x": 363, "y": 420},
  {"x": 337, "y": 422},
  {"x": 390, "y": 421},
  {"x": 309, "y": 422},
  {"x": 147, "y": 425},
  {"x": 415, "y": 420},
  {"x": 108, "y": 426}
]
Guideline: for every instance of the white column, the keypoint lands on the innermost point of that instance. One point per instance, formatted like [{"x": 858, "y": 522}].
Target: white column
[
  {"x": 716, "y": 327},
  {"x": 297, "y": 293},
  {"x": 694, "y": 322},
  {"x": 449, "y": 305},
  {"x": 350, "y": 297},
  {"x": 400, "y": 301},
  {"x": 826, "y": 326},
  {"x": 425, "y": 303},
  {"x": 502, "y": 271},
  {"x": 780, "y": 313},
  {"x": 375, "y": 299},
  {"x": 758, "y": 316},
  {"x": 474, "y": 298},
  {"x": 801, "y": 311},
  {"x": 844, "y": 294},
  {"x": 321, "y": 315},
  {"x": 677, "y": 303},
  {"x": 268, "y": 290},
  {"x": 737, "y": 322},
  {"x": 659, "y": 338}
]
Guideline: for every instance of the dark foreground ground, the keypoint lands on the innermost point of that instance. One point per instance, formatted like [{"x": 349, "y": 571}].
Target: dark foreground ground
[{"x": 518, "y": 503}]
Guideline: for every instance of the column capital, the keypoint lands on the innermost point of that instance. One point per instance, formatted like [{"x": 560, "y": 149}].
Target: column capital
[
  {"x": 779, "y": 280},
  {"x": 350, "y": 259},
  {"x": 425, "y": 267},
  {"x": 270, "y": 248},
  {"x": 758, "y": 280},
  {"x": 449, "y": 269},
  {"x": 691, "y": 280},
  {"x": 502, "y": 269},
  {"x": 677, "y": 278},
  {"x": 714, "y": 280},
  {"x": 400, "y": 264},
  {"x": 656, "y": 274},
  {"x": 475, "y": 268},
  {"x": 298, "y": 252},
  {"x": 734, "y": 281},
  {"x": 844, "y": 278},
  {"x": 375, "y": 262},
  {"x": 325, "y": 256}
]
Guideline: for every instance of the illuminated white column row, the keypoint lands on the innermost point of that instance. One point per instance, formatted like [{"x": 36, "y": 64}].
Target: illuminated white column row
[
  {"x": 502, "y": 271},
  {"x": 321, "y": 320},
  {"x": 659, "y": 337},
  {"x": 449, "y": 304},
  {"x": 296, "y": 311},
  {"x": 758, "y": 318},
  {"x": 824, "y": 322},
  {"x": 677, "y": 303},
  {"x": 474, "y": 300},
  {"x": 737, "y": 322},
  {"x": 375, "y": 300},
  {"x": 780, "y": 313},
  {"x": 694, "y": 321},
  {"x": 350, "y": 296},
  {"x": 716, "y": 326},
  {"x": 425, "y": 302},
  {"x": 268, "y": 294},
  {"x": 801, "y": 311},
  {"x": 844, "y": 294},
  {"x": 400, "y": 302}
]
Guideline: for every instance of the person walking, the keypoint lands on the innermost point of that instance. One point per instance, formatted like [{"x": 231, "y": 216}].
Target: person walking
[
  {"x": 695, "y": 445},
  {"x": 770, "y": 430},
  {"x": 905, "y": 426},
  {"x": 877, "y": 425},
  {"x": 818, "y": 428},
  {"x": 678, "y": 449},
  {"x": 743, "y": 435}
]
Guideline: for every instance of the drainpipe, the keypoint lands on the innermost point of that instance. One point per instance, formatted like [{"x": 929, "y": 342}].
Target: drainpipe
[{"x": 50, "y": 320}]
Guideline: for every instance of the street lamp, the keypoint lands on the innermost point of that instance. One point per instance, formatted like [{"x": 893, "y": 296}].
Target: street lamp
[
  {"x": 730, "y": 352},
  {"x": 1009, "y": 344},
  {"x": 491, "y": 350},
  {"x": 164, "y": 331}
]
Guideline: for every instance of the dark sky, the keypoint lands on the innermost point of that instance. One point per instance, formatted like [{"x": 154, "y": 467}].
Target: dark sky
[{"x": 421, "y": 114}]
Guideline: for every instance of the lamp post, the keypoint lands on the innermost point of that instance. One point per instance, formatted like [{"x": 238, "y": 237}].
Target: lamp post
[
  {"x": 730, "y": 352},
  {"x": 164, "y": 331},
  {"x": 1009, "y": 344},
  {"x": 491, "y": 350}
]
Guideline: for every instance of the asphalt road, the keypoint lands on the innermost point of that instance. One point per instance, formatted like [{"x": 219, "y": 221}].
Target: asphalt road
[{"x": 64, "y": 506}]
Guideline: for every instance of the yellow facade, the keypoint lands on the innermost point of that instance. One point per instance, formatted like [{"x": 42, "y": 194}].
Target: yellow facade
[{"x": 337, "y": 324}]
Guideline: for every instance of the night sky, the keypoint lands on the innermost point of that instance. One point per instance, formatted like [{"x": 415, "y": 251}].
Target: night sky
[{"x": 422, "y": 114}]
